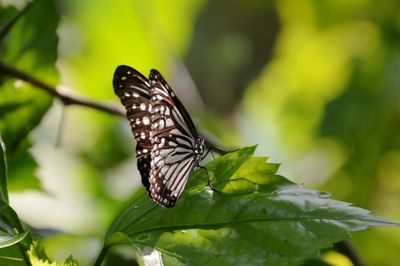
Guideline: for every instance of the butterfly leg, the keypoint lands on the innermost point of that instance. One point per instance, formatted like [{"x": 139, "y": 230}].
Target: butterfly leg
[
  {"x": 205, "y": 155},
  {"x": 209, "y": 180}
]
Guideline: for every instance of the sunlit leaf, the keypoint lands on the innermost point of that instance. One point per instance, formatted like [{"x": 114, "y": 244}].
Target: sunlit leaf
[
  {"x": 30, "y": 46},
  {"x": 37, "y": 256},
  {"x": 258, "y": 218}
]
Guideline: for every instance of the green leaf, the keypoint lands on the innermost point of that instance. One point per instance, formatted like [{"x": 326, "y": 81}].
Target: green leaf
[
  {"x": 259, "y": 218},
  {"x": 22, "y": 168},
  {"x": 11, "y": 229},
  {"x": 9, "y": 221},
  {"x": 12, "y": 235},
  {"x": 11, "y": 256},
  {"x": 3, "y": 172},
  {"x": 7, "y": 240},
  {"x": 30, "y": 46},
  {"x": 38, "y": 257}
]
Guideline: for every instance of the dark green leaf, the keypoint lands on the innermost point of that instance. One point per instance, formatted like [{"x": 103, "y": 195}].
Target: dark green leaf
[
  {"x": 22, "y": 168},
  {"x": 11, "y": 256},
  {"x": 259, "y": 218},
  {"x": 12, "y": 234},
  {"x": 7, "y": 240},
  {"x": 9, "y": 221},
  {"x": 316, "y": 263},
  {"x": 11, "y": 230},
  {"x": 3, "y": 172},
  {"x": 30, "y": 45}
]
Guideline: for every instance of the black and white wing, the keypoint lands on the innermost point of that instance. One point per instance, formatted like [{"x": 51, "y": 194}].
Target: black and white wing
[
  {"x": 168, "y": 146},
  {"x": 134, "y": 91},
  {"x": 176, "y": 146}
]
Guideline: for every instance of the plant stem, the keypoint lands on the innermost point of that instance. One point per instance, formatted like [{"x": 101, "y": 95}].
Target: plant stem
[
  {"x": 101, "y": 256},
  {"x": 24, "y": 255}
]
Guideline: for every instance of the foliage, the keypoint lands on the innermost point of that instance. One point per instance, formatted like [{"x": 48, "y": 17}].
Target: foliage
[
  {"x": 324, "y": 97},
  {"x": 31, "y": 46},
  {"x": 11, "y": 230},
  {"x": 258, "y": 218},
  {"x": 38, "y": 257}
]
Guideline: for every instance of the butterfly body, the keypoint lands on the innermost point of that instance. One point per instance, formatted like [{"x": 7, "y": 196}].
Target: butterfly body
[{"x": 168, "y": 145}]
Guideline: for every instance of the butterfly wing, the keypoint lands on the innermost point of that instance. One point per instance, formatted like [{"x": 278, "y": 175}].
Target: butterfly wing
[
  {"x": 133, "y": 89},
  {"x": 176, "y": 146}
]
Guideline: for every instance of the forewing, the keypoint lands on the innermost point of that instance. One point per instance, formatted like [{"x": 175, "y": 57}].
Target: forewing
[
  {"x": 133, "y": 89},
  {"x": 173, "y": 143}
]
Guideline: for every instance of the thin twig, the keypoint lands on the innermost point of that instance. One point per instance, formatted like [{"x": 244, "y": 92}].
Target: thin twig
[
  {"x": 69, "y": 98},
  {"x": 12, "y": 22},
  {"x": 66, "y": 96}
]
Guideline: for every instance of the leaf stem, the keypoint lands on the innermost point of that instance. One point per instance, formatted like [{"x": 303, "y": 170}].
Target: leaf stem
[{"x": 101, "y": 256}]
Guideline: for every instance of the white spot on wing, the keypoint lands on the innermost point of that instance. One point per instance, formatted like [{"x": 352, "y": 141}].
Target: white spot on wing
[
  {"x": 162, "y": 109},
  {"x": 146, "y": 120},
  {"x": 169, "y": 122},
  {"x": 161, "y": 124}
]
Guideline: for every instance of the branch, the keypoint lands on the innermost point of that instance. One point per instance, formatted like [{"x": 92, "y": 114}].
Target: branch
[
  {"x": 69, "y": 98},
  {"x": 66, "y": 96}
]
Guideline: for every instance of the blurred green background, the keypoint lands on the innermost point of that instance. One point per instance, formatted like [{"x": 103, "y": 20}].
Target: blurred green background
[{"x": 315, "y": 83}]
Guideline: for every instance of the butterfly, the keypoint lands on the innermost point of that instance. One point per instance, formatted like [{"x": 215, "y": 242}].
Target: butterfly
[{"x": 168, "y": 145}]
